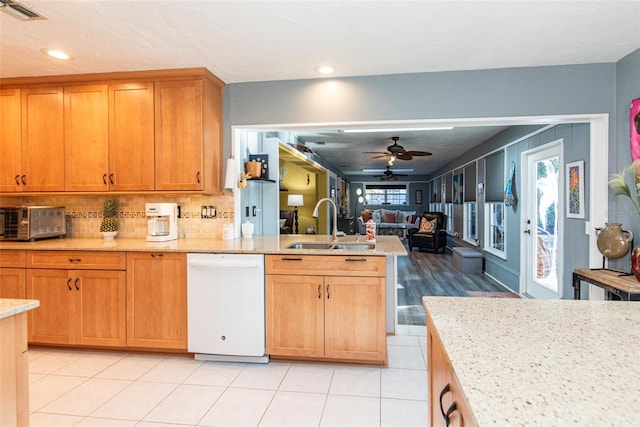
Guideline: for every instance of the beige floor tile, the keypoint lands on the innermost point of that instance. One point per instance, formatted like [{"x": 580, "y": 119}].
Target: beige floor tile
[
  {"x": 216, "y": 373},
  {"x": 356, "y": 381},
  {"x": 53, "y": 361},
  {"x": 352, "y": 411},
  {"x": 35, "y": 378},
  {"x": 261, "y": 376},
  {"x": 105, "y": 422},
  {"x": 404, "y": 413},
  {"x": 131, "y": 367},
  {"x": 172, "y": 370},
  {"x": 90, "y": 364},
  {"x": 50, "y": 388},
  {"x": 403, "y": 340},
  {"x": 52, "y": 420},
  {"x": 308, "y": 378},
  {"x": 87, "y": 397},
  {"x": 290, "y": 408},
  {"x": 135, "y": 401},
  {"x": 405, "y": 357},
  {"x": 187, "y": 404},
  {"x": 238, "y": 407},
  {"x": 407, "y": 384}
]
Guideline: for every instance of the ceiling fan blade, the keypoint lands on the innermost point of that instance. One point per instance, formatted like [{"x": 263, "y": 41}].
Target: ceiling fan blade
[
  {"x": 396, "y": 149},
  {"x": 378, "y": 157},
  {"x": 404, "y": 156},
  {"x": 418, "y": 153},
  {"x": 376, "y": 152}
]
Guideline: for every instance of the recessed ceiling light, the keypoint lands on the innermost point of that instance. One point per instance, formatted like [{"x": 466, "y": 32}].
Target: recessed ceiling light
[
  {"x": 396, "y": 129},
  {"x": 58, "y": 54},
  {"x": 325, "y": 69}
]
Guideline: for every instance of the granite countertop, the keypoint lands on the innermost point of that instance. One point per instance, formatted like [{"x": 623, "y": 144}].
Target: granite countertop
[
  {"x": 385, "y": 245},
  {"x": 11, "y": 307},
  {"x": 543, "y": 362}
]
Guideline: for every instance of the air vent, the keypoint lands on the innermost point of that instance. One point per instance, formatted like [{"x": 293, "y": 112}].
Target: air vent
[{"x": 19, "y": 11}]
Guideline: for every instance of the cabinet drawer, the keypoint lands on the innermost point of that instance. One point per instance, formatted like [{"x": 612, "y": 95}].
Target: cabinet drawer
[
  {"x": 87, "y": 260},
  {"x": 13, "y": 258},
  {"x": 328, "y": 265}
]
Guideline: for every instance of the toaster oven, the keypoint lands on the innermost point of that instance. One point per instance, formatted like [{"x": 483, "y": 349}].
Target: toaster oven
[{"x": 32, "y": 222}]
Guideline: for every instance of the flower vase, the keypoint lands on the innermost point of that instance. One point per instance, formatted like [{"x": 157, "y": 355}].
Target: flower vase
[
  {"x": 613, "y": 242},
  {"x": 635, "y": 262}
]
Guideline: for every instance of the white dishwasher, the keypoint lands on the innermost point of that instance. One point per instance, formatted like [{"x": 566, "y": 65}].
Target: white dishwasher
[{"x": 225, "y": 303}]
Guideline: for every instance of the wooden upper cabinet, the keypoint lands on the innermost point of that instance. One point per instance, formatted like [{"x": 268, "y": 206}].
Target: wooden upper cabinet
[
  {"x": 131, "y": 137},
  {"x": 188, "y": 136},
  {"x": 86, "y": 112},
  {"x": 10, "y": 144},
  {"x": 42, "y": 139}
]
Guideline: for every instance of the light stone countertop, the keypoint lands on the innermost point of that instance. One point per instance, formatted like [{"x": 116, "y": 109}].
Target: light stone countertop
[
  {"x": 11, "y": 307},
  {"x": 385, "y": 245},
  {"x": 523, "y": 362}
]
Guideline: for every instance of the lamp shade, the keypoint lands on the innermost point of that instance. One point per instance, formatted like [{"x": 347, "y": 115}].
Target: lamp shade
[{"x": 295, "y": 200}]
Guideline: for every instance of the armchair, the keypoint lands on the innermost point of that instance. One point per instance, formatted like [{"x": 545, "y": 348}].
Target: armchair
[
  {"x": 435, "y": 239},
  {"x": 287, "y": 227}
]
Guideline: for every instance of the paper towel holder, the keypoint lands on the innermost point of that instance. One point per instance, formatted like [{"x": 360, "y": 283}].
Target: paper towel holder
[{"x": 230, "y": 175}]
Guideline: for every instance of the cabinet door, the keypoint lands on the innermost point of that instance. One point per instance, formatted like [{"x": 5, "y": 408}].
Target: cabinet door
[
  {"x": 178, "y": 136},
  {"x": 131, "y": 137},
  {"x": 355, "y": 318},
  {"x": 295, "y": 315},
  {"x": 86, "y": 135},
  {"x": 12, "y": 283},
  {"x": 51, "y": 322},
  {"x": 157, "y": 300},
  {"x": 100, "y": 307},
  {"x": 10, "y": 144},
  {"x": 42, "y": 139}
]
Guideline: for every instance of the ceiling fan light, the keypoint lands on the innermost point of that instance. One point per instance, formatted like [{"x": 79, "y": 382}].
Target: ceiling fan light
[{"x": 325, "y": 69}]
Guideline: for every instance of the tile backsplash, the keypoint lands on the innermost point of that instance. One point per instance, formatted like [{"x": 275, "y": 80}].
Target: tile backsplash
[{"x": 84, "y": 213}]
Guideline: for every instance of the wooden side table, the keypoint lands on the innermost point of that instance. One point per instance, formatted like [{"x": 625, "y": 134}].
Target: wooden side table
[{"x": 613, "y": 282}]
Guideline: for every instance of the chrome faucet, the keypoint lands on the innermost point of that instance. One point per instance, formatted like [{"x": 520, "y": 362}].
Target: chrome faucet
[{"x": 335, "y": 215}]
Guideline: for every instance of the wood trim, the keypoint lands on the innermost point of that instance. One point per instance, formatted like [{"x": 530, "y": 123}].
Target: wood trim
[
  {"x": 77, "y": 260},
  {"x": 13, "y": 258}
]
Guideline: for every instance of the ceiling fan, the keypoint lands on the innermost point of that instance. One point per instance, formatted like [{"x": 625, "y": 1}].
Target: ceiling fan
[
  {"x": 396, "y": 150},
  {"x": 389, "y": 175}
]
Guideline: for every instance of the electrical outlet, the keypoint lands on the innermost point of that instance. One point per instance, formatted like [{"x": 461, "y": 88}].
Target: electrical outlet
[{"x": 208, "y": 212}]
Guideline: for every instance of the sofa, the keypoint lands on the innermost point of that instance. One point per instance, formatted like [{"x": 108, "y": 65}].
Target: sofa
[
  {"x": 388, "y": 221},
  {"x": 435, "y": 239}
]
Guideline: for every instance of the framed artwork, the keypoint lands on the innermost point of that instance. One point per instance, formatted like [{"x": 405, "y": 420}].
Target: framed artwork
[
  {"x": 458, "y": 197},
  {"x": 575, "y": 189},
  {"x": 634, "y": 129},
  {"x": 418, "y": 197}
]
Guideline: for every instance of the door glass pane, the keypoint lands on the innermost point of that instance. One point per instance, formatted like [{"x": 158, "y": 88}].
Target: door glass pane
[{"x": 546, "y": 220}]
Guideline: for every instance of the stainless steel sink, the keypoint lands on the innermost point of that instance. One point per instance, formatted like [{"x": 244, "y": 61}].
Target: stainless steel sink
[
  {"x": 309, "y": 245},
  {"x": 354, "y": 246}
]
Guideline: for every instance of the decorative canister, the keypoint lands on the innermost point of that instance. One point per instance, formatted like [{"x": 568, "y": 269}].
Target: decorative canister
[
  {"x": 613, "y": 242},
  {"x": 227, "y": 231},
  {"x": 247, "y": 229},
  {"x": 253, "y": 168},
  {"x": 635, "y": 262},
  {"x": 370, "y": 227}
]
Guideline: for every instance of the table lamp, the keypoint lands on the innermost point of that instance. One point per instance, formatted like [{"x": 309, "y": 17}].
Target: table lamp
[{"x": 295, "y": 200}]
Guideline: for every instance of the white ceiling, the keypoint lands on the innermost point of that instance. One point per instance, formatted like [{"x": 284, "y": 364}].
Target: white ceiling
[{"x": 245, "y": 41}]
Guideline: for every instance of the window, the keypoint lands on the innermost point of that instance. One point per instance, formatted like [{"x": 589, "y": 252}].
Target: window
[
  {"x": 470, "y": 223},
  {"x": 495, "y": 229},
  {"x": 449, "y": 214},
  {"x": 386, "y": 194}
]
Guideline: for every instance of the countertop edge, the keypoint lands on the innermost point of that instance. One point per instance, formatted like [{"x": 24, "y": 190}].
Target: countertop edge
[{"x": 10, "y": 307}]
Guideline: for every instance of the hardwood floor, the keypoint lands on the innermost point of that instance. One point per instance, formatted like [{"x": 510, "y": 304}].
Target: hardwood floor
[{"x": 429, "y": 274}]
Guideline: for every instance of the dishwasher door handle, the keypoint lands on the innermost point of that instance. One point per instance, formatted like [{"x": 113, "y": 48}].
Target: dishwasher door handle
[{"x": 223, "y": 264}]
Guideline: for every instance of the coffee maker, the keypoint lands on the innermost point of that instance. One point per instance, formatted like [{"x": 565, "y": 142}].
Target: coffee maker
[{"x": 163, "y": 225}]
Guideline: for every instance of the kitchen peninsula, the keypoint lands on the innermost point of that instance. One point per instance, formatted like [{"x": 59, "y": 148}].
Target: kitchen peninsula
[
  {"x": 14, "y": 388},
  {"x": 522, "y": 362}
]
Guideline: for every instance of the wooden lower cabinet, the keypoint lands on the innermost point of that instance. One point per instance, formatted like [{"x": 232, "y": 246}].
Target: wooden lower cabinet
[
  {"x": 322, "y": 316},
  {"x": 83, "y": 307},
  {"x": 12, "y": 280},
  {"x": 157, "y": 300},
  {"x": 447, "y": 404}
]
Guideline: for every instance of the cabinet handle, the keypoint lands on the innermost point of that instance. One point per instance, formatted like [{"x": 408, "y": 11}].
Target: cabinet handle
[
  {"x": 155, "y": 255},
  {"x": 69, "y": 283},
  {"x": 104, "y": 179},
  {"x": 288, "y": 258},
  {"x": 73, "y": 260},
  {"x": 16, "y": 178},
  {"x": 444, "y": 391},
  {"x": 23, "y": 178},
  {"x": 450, "y": 411},
  {"x": 76, "y": 284},
  {"x": 198, "y": 177},
  {"x": 356, "y": 260},
  {"x": 328, "y": 294},
  {"x": 319, "y": 295},
  {"x": 111, "y": 178}
]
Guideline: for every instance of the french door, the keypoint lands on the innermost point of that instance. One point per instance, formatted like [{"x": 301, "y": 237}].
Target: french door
[{"x": 543, "y": 207}]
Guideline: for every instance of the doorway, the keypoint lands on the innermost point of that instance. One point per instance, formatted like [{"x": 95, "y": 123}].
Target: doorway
[{"x": 543, "y": 208}]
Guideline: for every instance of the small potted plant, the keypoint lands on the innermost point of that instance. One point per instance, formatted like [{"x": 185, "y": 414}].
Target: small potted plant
[{"x": 109, "y": 226}]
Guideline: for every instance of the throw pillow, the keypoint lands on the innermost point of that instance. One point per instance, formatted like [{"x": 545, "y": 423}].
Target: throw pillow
[
  {"x": 404, "y": 216},
  {"x": 389, "y": 217},
  {"x": 427, "y": 226},
  {"x": 375, "y": 215},
  {"x": 283, "y": 222}
]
